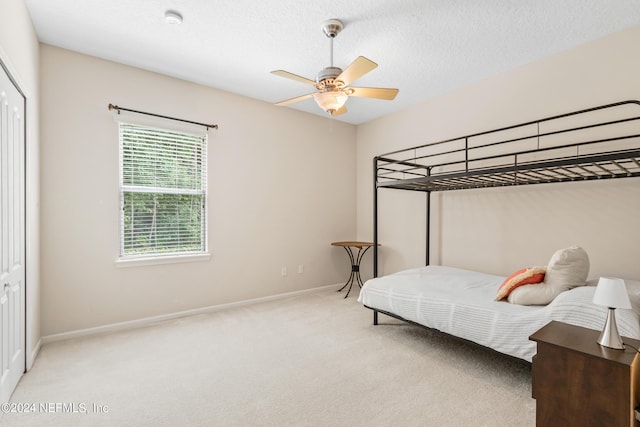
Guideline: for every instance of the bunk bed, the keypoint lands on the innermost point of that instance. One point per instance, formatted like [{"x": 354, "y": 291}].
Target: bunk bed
[{"x": 592, "y": 144}]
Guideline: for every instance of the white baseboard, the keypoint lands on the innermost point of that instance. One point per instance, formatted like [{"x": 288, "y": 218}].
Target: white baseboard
[{"x": 132, "y": 324}]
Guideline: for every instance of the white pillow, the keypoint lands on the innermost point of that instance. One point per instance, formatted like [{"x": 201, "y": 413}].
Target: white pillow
[{"x": 567, "y": 269}]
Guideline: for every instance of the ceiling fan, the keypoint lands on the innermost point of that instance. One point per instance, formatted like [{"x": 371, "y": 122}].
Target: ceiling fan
[{"x": 332, "y": 83}]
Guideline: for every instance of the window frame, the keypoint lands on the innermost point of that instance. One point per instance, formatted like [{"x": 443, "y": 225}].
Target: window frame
[{"x": 125, "y": 259}]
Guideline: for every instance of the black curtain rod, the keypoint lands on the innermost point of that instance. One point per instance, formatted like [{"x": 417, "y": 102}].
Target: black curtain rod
[{"x": 115, "y": 107}]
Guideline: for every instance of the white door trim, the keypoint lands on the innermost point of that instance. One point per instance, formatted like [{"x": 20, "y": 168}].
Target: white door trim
[{"x": 14, "y": 222}]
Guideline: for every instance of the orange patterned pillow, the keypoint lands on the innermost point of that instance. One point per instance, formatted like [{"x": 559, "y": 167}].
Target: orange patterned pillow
[{"x": 526, "y": 276}]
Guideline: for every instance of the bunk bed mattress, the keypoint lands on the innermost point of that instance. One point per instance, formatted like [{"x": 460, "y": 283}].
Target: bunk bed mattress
[{"x": 461, "y": 303}]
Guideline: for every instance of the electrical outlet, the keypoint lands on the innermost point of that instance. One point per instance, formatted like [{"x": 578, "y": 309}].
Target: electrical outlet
[
  {"x": 300, "y": 269},
  {"x": 284, "y": 271}
]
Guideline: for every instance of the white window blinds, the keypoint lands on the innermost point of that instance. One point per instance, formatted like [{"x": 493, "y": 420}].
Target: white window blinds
[{"x": 162, "y": 192}]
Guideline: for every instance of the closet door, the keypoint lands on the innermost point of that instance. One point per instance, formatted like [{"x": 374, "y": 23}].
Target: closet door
[{"x": 12, "y": 235}]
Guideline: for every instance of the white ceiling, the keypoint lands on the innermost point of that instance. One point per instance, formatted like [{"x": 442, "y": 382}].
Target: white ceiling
[{"x": 423, "y": 47}]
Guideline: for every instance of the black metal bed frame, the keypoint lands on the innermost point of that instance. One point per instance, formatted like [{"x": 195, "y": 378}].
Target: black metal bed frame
[
  {"x": 596, "y": 143},
  {"x": 591, "y": 144}
]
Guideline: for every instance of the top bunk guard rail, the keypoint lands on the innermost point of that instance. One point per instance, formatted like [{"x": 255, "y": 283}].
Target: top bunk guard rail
[{"x": 595, "y": 143}]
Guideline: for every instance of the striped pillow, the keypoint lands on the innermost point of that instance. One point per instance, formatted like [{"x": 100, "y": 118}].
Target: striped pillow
[{"x": 526, "y": 276}]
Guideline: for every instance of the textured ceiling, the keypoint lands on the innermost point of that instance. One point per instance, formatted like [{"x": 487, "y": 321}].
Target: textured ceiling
[{"x": 423, "y": 47}]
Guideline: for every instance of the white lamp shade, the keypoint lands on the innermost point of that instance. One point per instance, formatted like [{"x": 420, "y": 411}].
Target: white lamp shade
[
  {"x": 330, "y": 100},
  {"x": 611, "y": 292}
]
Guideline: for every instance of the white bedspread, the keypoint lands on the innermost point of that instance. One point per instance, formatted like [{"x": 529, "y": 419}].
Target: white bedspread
[{"x": 461, "y": 303}]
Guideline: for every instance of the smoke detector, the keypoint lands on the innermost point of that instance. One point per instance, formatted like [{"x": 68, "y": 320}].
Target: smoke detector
[{"x": 172, "y": 17}]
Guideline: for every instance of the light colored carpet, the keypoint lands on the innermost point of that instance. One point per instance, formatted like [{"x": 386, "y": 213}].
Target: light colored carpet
[{"x": 310, "y": 360}]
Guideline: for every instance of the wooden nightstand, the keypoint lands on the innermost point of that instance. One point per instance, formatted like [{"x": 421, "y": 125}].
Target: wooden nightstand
[{"x": 577, "y": 382}]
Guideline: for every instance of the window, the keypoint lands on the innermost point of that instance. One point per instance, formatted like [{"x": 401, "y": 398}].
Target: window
[{"x": 162, "y": 192}]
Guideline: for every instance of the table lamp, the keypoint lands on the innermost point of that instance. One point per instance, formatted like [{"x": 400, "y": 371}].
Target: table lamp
[{"x": 611, "y": 293}]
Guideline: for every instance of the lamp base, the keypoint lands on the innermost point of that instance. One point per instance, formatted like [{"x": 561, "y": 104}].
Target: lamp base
[{"x": 610, "y": 337}]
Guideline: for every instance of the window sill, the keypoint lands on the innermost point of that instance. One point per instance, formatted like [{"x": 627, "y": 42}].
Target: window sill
[{"x": 155, "y": 260}]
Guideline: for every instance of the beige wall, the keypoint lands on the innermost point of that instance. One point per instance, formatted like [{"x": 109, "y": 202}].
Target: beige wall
[
  {"x": 281, "y": 188},
  {"x": 502, "y": 230},
  {"x": 19, "y": 50}
]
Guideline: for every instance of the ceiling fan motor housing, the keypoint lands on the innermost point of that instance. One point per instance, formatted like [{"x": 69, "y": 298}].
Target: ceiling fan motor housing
[{"x": 328, "y": 73}]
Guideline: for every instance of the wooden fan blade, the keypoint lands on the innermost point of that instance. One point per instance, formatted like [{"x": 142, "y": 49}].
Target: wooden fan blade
[
  {"x": 356, "y": 69},
  {"x": 292, "y": 76},
  {"x": 339, "y": 111},
  {"x": 292, "y": 100},
  {"x": 374, "y": 92}
]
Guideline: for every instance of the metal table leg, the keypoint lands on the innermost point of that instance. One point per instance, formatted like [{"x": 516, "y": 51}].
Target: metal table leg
[{"x": 355, "y": 268}]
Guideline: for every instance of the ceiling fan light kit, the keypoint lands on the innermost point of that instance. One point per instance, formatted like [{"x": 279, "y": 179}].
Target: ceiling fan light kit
[
  {"x": 330, "y": 100},
  {"x": 331, "y": 83}
]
